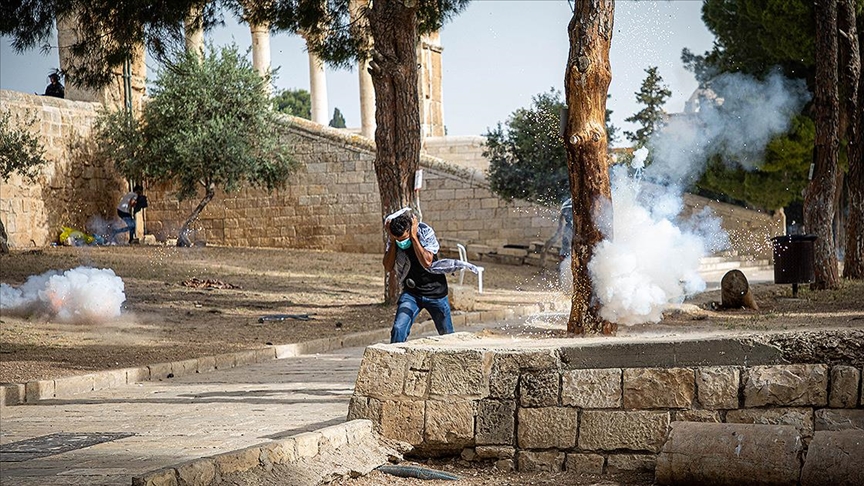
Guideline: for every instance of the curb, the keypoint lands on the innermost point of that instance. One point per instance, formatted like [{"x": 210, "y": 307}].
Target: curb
[{"x": 34, "y": 391}]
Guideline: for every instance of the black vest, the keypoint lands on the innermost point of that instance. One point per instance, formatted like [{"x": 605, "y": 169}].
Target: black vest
[{"x": 421, "y": 283}]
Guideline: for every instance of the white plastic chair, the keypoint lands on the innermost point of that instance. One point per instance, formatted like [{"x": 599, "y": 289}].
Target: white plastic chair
[{"x": 463, "y": 255}]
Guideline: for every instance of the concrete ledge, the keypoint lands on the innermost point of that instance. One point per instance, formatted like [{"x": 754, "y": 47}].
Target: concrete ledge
[
  {"x": 19, "y": 393},
  {"x": 351, "y": 448}
]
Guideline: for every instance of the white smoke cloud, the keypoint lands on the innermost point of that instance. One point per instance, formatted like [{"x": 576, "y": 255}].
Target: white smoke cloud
[
  {"x": 652, "y": 259},
  {"x": 738, "y": 123},
  {"x": 650, "y": 262},
  {"x": 79, "y": 295}
]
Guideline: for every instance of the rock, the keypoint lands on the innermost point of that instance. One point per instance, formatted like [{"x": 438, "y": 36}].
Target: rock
[
  {"x": 697, "y": 416},
  {"x": 505, "y": 465},
  {"x": 382, "y": 372},
  {"x": 800, "y": 418},
  {"x": 507, "y": 366},
  {"x": 646, "y": 388},
  {"x": 458, "y": 373},
  {"x": 718, "y": 387},
  {"x": 844, "y": 387},
  {"x": 700, "y": 453},
  {"x": 839, "y": 419},
  {"x": 546, "y": 461},
  {"x": 542, "y": 428},
  {"x": 786, "y": 385},
  {"x": 403, "y": 420},
  {"x": 597, "y": 388},
  {"x": 496, "y": 421},
  {"x": 449, "y": 423},
  {"x": 539, "y": 388},
  {"x": 584, "y": 463},
  {"x": 834, "y": 458},
  {"x": 618, "y": 463},
  {"x": 495, "y": 452},
  {"x": 613, "y": 430}
]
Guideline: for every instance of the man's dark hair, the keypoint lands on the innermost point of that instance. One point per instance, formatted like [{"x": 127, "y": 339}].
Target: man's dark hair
[
  {"x": 400, "y": 224},
  {"x": 138, "y": 188}
]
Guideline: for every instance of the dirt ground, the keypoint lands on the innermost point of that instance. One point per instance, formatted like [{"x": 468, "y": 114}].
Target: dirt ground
[{"x": 164, "y": 320}]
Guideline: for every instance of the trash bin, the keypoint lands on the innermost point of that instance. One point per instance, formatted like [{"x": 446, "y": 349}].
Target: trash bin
[{"x": 793, "y": 260}]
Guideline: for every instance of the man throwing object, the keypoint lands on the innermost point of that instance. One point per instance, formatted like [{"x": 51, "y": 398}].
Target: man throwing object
[{"x": 411, "y": 250}]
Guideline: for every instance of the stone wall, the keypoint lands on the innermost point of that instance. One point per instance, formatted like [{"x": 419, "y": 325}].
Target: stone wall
[
  {"x": 588, "y": 409},
  {"x": 333, "y": 203},
  {"x": 465, "y": 152},
  {"x": 74, "y": 186}
]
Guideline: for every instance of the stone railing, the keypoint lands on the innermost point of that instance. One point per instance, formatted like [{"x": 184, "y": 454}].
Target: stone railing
[{"x": 588, "y": 408}]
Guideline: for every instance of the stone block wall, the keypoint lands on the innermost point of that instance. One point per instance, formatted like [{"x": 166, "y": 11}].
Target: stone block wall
[
  {"x": 465, "y": 152},
  {"x": 331, "y": 203},
  {"x": 72, "y": 188},
  {"x": 535, "y": 409}
]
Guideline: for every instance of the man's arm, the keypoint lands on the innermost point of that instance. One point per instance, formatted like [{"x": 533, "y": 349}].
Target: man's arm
[{"x": 424, "y": 255}]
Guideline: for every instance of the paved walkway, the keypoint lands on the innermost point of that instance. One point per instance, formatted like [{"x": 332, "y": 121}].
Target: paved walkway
[{"x": 180, "y": 419}]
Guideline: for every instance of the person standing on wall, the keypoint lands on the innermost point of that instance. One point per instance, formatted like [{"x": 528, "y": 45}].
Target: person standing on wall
[
  {"x": 411, "y": 250},
  {"x": 128, "y": 207},
  {"x": 55, "y": 89}
]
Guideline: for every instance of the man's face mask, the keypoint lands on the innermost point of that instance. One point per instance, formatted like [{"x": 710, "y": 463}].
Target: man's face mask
[{"x": 404, "y": 244}]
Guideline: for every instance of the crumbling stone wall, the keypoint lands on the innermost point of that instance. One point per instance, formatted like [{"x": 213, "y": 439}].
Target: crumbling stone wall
[
  {"x": 72, "y": 188},
  {"x": 547, "y": 407}
]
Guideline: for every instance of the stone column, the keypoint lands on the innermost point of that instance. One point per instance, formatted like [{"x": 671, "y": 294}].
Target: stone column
[
  {"x": 261, "y": 50},
  {"x": 110, "y": 95},
  {"x": 318, "y": 90},
  {"x": 429, "y": 85},
  {"x": 367, "y": 89},
  {"x": 194, "y": 29}
]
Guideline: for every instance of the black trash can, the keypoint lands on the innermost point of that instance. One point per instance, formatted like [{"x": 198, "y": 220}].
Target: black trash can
[{"x": 794, "y": 260}]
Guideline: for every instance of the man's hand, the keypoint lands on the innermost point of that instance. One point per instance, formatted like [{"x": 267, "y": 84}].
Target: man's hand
[
  {"x": 414, "y": 226},
  {"x": 387, "y": 229}
]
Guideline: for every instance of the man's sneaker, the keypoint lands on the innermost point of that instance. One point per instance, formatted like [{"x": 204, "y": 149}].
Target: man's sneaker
[{"x": 134, "y": 241}]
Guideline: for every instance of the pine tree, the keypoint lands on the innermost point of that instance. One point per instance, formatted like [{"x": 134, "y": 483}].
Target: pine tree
[
  {"x": 653, "y": 95},
  {"x": 338, "y": 121}
]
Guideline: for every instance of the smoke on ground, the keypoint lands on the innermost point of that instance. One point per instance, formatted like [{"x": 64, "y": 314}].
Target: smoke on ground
[
  {"x": 652, "y": 257},
  {"x": 79, "y": 295}
]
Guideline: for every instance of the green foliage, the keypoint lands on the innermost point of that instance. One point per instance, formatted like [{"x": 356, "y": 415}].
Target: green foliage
[
  {"x": 611, "y": 130},
  {"x": 20, "y": 152},
  {"x": 338, "y": 121},
  {"x": 527, "y": 159},
  {"x": 198, "y": 133},
  {"x": 779, "y": 181},
  {"x": 295, "y": 102},
  {"x": 652, "y": 95}
]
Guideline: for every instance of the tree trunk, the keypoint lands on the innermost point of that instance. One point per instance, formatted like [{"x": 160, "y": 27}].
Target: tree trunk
[
  {"x": 397, "y": 116},
  {"x": 586, "y": 85},
  {"x": 183, "y": 235},
  {"x": 850, "y": 42},
  {"x": 819, "y": 198}
]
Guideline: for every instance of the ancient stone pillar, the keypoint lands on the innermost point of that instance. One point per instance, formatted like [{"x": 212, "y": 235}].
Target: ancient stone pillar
[
  {"x": 261, "y": 50},
  {"x": 110, "y": 95},
  {"x": 318, "y": 90},
  {"x": 429, "y": 85},
  {"x": 367, "y": 89},
  {"x": 194, "y": 29}
]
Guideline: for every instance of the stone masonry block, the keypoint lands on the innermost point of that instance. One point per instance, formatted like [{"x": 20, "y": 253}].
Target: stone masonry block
[
  {"x": 834, "y": 458},
  {"x": 162, "y": 477},
  {"x": 279, "y": 452},
  {"x": 224, "y": 361},
  {"x": 839, "y": 419},
  {"x": 548, "y": 461},
  {"x": 332, "y": 437},
  {"x": 160, "y": 371},
  {"x": 539, "y": 388},
  {"x": 109, "y": 379},
  {"x": 543, "y": 428},
  {"x": 717, "y": 387},
  {"x": 618, "y": 463},
  {"x": 495, "y": 452},
  {"x": 200, "y": 471},
  {"x": 460, "y": 373},
  {"x": 450, "y": 422},
  {"x": 844, "y": 387},
  {"x": 403, "y": 420},
  {"x": 237, "y": 461},
  {"x": 307, "y": 444},
  {"x": 357, "y": 430},
  {"x": 364, "y": 408},
  {"x": 658, "y": 388},
  {"x": 506, "y": 367},
  {"x": 13, "y": 394},
  {"x": 696, "y": 416},
  {"x": 73, "y": 385},
  {"x": 592, "y": 388},
  {"x": 496, "y": 422},
  {"x": 786, "y": 385},
  {"x": 137, "y": 375},
  {"x": 613, "y": 430},
  {"x": 382, "y": 372},
  {"x": 184, "y": 368},
  {"x": 800, "y": 418},
  {"x": 584, "y": 463}
]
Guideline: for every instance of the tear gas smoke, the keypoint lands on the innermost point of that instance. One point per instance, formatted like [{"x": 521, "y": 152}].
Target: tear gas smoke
[
  {"x": 652, "y": 258},
  {"x": 82, "y": 294}
]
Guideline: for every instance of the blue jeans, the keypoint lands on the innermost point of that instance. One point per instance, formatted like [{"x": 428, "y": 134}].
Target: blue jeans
[
  {"x": 410, "y": 306},
  {"x": 130, "y": 225}
]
